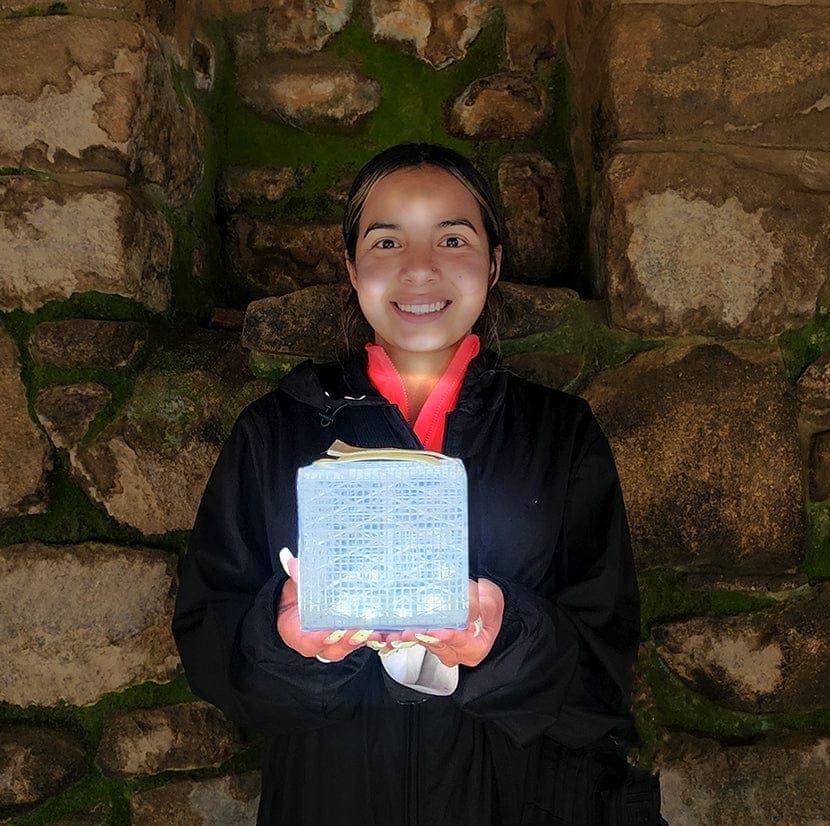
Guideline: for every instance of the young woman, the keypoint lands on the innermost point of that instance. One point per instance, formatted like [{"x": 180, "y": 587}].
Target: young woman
[{"x": 522, "y": 717}]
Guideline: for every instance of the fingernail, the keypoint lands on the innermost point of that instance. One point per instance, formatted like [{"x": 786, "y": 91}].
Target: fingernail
[
  {"x": 477, "y": 623},
  {"x": 376, "y": 645},
  {"x": 285, "y": 556},
  {"x": 360, "y": 636},
  {"x": 402, "y": 644},
  {"x": 334, "y": 637},
  {"x": 323, "y": 659},
  {"x": 427, "y": 639}
]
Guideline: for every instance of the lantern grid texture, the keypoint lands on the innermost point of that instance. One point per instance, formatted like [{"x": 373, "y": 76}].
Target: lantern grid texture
[{"x": 383, "y": 544}]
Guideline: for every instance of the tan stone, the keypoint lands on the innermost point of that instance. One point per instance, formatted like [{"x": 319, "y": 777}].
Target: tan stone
[
  {"x": 240, "y": 184},
  {"x": 94, "y": 95},
  {"x": 174, "y": 738},
  {"x": 532, "y": 309},
  {"x": 820, "y": 467},
  {"x": 707, "y": 449},
  {"x": 56, "y": 241},
  {"x": 66, "y": 411},
  {"x": 694, "y": 244},
  {"x": 36, "y": 763},
  {"x": 505, "y": 107},
  {"x": 532, "y": 194},
  {"x": 781, "y": 780},
  {"x": 813, "y": 391},
  {"x": 550, "y": 369},
  {"x": 530, "y": 35},
  {"x": 121, "y": 9},
  {"x": 770, "y": 661},
  {"x": 439, "y": 30},
  {"x": 82, "y": 342},
  {"x": 221, "y": 800},
  {"x": 79, "y": 622},
  {"x": 308, "y": 94},
  {"x": 24, "y": 455}
]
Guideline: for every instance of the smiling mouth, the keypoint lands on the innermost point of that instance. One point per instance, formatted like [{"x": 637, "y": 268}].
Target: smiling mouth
[{"x": 422, "y": 309}]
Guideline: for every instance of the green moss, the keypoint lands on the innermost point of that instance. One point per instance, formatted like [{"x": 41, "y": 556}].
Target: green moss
[
  {"x": 41, "y": 11},
  {"x": 32, "y": 173},
  {"x": 800, "y": 348},
  {"x": 817, "y": 561},
  {"x": 271, "y": 368}
]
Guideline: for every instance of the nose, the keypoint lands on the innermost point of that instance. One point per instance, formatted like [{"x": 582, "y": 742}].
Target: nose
[{"x": 420, "y": 265}]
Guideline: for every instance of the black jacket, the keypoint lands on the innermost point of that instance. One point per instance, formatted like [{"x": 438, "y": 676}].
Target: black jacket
[{"x": 547, "y": 523}]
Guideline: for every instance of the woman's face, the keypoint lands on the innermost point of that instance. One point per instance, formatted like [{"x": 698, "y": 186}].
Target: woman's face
[{"x": 422, "y": 264}]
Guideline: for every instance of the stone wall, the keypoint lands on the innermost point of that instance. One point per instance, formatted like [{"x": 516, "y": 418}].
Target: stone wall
[{"x": 171, "y": 176}]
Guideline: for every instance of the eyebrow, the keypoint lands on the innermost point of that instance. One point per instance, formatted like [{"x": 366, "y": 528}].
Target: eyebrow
[{"x": 450, "y": 222}]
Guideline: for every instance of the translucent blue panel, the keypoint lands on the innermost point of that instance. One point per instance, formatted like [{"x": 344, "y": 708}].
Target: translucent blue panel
[{"x": 383, "y": 545}]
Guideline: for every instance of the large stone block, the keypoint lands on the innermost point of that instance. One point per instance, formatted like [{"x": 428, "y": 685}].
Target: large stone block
[
  {"x": 440, "y": 30},
  {"x": 81, "y": 621},
  {"x": 766, "y": 662},
  {"x": 222, "y": 800},
  {"x": 24, "y": 454},
  {"x": 174, "y": 738},
  {"x": 57, "y": 240},
  {"x": 693, "y": 244},
  {"x": 707, "y": 449},
  {"x": 781, "y": 780},
  {"x": 66, "y": 411},
  {"x": 87, "y": 342},
  {"x": 95, "y": 95},
  {"x": 36, "y": 763},
  {"x": 530, "y": 34}
]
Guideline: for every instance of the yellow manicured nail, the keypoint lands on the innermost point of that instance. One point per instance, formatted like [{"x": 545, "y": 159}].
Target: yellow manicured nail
[
  {"x": 426, "y": 638},
  {"x": 402, "y": 644},
  {"x": 376, "y": 645},
  {"x": 478, "y": 626},
  {"x": 360, "y": 636},
  {"x": 334, "y": 637}
]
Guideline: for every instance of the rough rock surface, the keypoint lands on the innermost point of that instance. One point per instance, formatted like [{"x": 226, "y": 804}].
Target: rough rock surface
[
  {"x": 216, "y": 802},
  {"x": 118, "y": 244},
  {"x": 79, "y": 94},
  {"x": 66, "y": 411},
  {"x": 260, "y": 28},
  {"x": 308, "y": 93},
  {"x": 813, "y": 391},
  {"x": 24, "y": 455},
  {"x": 82, "y": 342},
  {"x": 98, "y": 815},
  {"x": 820, "y": 467},
  {"x": 693, "y": 244},
  {"x": 532, "y": 194},
  {"x": 532, "y": 309},
  {"x": 716, "y": 74},
  {"x": 551, "y": 369},
  {"x": 711, "y": 470},
  {"x": 36, "y": 763},
  {"x": 274, "y": 259},
  {"x": 770, "y": 661},
  {"x": 505, "y": 107},
  {"x": 530, "y": 34},
  {"x": 780, "y": 780},
  {"x": 240, "y": 184},
  {"x": 78, "y": 622},
  {"x": 440, "y": 30},
  {"x": 174, "y": 738}
]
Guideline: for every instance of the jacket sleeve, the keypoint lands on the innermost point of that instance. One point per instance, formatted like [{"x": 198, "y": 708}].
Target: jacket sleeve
[
  {"x": 230, "y": 586},
  {"x": 562, "y": 662}
]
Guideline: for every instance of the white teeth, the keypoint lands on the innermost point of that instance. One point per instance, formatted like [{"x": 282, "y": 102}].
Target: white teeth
[{"x": 423, "y": 309}]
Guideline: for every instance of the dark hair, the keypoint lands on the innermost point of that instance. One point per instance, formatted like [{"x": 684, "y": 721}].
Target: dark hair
[{"x": 409, "y": 156}]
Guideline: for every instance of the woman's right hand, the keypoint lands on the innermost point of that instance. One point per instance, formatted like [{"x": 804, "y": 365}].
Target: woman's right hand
[{"x": 327, "y": 646}]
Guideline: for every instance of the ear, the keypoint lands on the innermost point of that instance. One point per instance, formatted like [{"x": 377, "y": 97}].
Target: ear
[
  {"x": 351, "y": 269},
  {"x": 495, "y": 265}
]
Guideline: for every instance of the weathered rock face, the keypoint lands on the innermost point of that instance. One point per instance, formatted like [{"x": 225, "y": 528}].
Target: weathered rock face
[
  {"x": 63, "y": 640},
  {"x": 530, "y": 309},
  {"x": 530, "y": 34},
  {"x": 716, "y": 74},
  {"x": 693, "y": 244},
  {"x": 274, "y": 259},
  {"x": 98, "y": 815},
  {"x": 119, "y": 244},
  {"x": 550, "y": 369},
  {"x": 813, "y": 391},
  {"x": 265, "y": 27},
  {"x": 175, "y": 738},
  {"x": 82, "y": 342},
  {"x": 506, "y": 107},
  {"x": 66, "y": 411},
  {"x": 24, "y": 456},
  {"x": 771, "y": 661},
  {"x": 820, "y": 467},
  {"x": 308, "y": 93},
  {"x": 94, "y": 95},
  {"x": 36, "y": 763},
  {"x": 240, "y": 184},
  {"x": 707, "y": 450},
  {"x": 220, "y": 800},
  {"x": 532, "y": 195},
  {"x": 440, "y": 30},
  {"x": 781, "y": 781}
]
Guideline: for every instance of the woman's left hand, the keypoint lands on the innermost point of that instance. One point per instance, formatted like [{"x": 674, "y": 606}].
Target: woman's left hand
[{"x": 472, "y": 644}]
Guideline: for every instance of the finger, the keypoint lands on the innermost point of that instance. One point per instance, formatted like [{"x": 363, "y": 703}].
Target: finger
[{"x": 289, "y": 563}]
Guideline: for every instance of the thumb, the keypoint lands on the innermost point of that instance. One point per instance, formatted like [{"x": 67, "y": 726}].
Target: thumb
[{"x": 289, "y": 563}]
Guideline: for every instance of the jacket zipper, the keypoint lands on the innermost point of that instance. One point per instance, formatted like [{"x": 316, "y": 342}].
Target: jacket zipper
[{"x": 413, "y": 738}]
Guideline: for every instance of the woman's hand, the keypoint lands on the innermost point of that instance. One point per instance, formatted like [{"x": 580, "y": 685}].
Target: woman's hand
[
  {"x": 472, "y": 644},
  {"x": 328, "y": 646}
]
